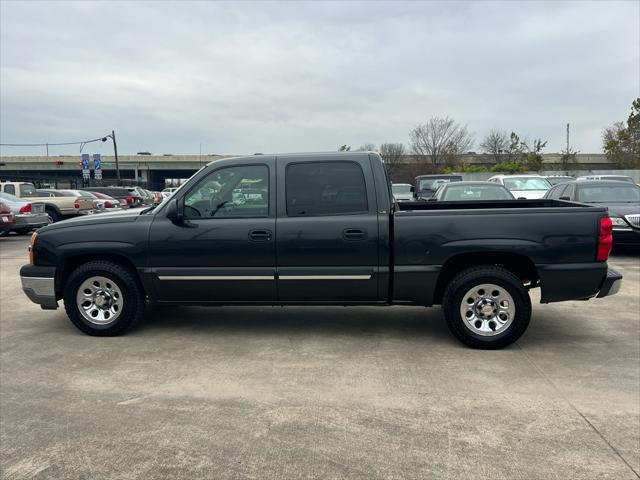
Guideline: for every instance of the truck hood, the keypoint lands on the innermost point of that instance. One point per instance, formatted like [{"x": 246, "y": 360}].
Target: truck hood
[
  {"x": 620, "y": 209},
  {"x": 121, "y": 216},
  {"x": 528, "y": 194}
]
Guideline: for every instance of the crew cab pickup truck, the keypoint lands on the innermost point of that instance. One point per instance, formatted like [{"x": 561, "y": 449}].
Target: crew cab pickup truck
[
  {"x": 58, "y": 205},
  {"x": 324, "y": 231}
]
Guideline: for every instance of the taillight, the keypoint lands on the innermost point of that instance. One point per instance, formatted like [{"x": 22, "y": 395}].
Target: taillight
[
  {"x": 107, "y": 204},
  {"x": 76, "y": 204},
  {"x": 26, "y": 208},
  {"x": 605, "y": 239},
  {"x": 130, "y": 200}
]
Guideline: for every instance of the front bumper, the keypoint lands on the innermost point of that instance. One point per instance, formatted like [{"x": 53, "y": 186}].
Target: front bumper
[
  {"x": 38, "y": 283},
  {"x": 611, "y": 284},
  {"x": 626, "y": 237}
]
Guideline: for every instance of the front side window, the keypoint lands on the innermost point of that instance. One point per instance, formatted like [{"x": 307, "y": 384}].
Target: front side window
[
  {"x": 325, "y": 188},
  {"x": 241, "y": 191}
]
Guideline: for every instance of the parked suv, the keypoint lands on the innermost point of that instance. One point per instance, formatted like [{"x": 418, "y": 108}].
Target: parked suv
[{"x": 426, "y": 185}]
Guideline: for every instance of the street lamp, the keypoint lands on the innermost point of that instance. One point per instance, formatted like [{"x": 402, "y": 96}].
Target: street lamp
[{"x": 115, "y": 151}]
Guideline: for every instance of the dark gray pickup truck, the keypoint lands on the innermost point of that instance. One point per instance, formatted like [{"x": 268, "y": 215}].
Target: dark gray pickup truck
[{"x": 322, "y": 229}]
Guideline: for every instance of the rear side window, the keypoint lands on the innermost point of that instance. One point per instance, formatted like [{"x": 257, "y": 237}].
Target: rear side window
[
  {"x": 325, "y": 188},
  {"x": 10, "y": 189}
]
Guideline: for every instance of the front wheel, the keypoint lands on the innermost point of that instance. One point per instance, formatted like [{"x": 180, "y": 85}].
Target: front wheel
[
  {"x": 103, "y": 298},
  {"x": 487, "y": 307}
]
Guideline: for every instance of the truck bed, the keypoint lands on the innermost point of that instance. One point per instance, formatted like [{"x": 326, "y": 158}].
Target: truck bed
[{"x": 544, "y": 204}]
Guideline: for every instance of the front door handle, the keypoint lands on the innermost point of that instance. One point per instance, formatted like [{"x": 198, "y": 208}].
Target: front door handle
[
  {"x": 260, "y": 235},
  {"x": 354, "y": 234}
]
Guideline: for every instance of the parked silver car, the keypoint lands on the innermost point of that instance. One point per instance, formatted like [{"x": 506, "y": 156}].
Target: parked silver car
[{"x": 28, "y": 215}]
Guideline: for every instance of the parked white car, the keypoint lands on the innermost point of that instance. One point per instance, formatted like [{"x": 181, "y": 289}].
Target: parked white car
[
  {"x": 530, "y": 187},
  {"x": 402, "y": 192}
]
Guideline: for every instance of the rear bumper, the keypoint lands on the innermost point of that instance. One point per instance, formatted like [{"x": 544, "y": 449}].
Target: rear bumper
[
  {"x": 611, "y": 284},
  {"x": 31, "y": 221},
  {"x": 38, "y": 284},
  {"x": 577, "y": 281}
]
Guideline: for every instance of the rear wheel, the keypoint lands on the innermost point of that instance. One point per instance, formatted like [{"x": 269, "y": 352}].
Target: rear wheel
[
  {"x": 53, "y": 215},
  {"x": 487, "y": 307},
  {"x": 103, "y": 298}
]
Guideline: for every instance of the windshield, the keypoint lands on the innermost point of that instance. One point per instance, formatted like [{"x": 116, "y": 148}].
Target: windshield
[
  {"x": 401, "y": 188},
  {"x": 475, "y": 192},
  {"x": 526, "y": 183},
  {"x": 432, "y": 183},
  {"x": 609, "y": 194}
]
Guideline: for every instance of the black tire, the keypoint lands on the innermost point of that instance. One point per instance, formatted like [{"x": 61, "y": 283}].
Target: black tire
[
  {"x": 132, "y": 295},
  {"x": 23, "y": 231},
  {"x": 467, "y": 280},
  {"x": 55, "y": 217}
]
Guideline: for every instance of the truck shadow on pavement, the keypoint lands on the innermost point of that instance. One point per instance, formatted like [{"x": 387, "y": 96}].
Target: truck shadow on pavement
[{"x": 398, "y": 322}]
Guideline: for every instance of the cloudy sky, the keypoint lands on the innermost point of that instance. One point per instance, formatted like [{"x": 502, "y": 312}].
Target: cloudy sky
[{"x": 274, "y": 77}]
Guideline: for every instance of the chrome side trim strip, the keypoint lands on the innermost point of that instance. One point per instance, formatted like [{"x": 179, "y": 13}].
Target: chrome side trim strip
[
  {"x": 216, "y": 277},
  {"x": 324, "y": 277}
]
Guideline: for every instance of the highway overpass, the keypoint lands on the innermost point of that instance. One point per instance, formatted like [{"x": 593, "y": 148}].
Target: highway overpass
[{"x": 154, "y": 171}]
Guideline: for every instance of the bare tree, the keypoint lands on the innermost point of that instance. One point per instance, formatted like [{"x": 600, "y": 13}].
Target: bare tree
[
  {"x": 442, "y": 139},
  {"x": 367, "y": 147},
  {"x": 392, "y": 154},
  {"x": 496, "y": 143}
]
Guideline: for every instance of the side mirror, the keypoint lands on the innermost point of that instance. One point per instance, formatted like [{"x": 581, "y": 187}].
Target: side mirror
[
  {"x": 174, "y": 212},
  {"x": 413, "y": 189},
  {"x": 564, "y": 198}
]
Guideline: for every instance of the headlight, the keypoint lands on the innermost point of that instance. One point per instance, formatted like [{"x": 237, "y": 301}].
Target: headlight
[{"x": 618, "y": 222}]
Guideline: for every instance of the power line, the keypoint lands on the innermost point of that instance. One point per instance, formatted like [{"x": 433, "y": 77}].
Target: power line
[{"x": 49, "y": 144}]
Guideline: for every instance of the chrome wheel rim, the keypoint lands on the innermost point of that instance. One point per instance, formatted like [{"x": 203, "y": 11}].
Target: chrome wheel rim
[
  {"x": 487, "y": 309},
  {"x": 99, "y": 300}
]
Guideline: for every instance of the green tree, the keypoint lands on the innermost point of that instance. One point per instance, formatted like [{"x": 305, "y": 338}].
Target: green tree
[
  {"x": 569, "y": 160},
  {"x": 533, "y": 155},
  {"x": 344, "y": 148},
  {"x": 505, "y": 167},
  {"x": 621, "y": 143}
]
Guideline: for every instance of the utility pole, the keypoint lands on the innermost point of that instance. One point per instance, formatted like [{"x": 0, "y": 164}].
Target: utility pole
[
  {"x": 567, "y": 138},
  {"x": 115, "y": 152}
]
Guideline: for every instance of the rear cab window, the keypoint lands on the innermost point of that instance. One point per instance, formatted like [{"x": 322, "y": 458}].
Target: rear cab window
[{"x": 9, "y": 189}]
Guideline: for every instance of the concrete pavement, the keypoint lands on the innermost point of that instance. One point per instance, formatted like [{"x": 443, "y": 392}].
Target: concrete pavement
[{"x": 318, "y": 393}]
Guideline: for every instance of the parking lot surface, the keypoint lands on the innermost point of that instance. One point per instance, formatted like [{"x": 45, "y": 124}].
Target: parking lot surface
[{"x": 270, "y": 392}]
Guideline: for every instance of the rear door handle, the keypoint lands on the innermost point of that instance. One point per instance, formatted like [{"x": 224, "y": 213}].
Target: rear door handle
[
  {"x": 354, "y": 234},
  {"x": 260, "y": 235}
]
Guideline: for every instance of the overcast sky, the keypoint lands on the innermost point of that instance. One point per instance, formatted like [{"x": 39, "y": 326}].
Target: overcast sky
[{"x": 276, "y": 77}]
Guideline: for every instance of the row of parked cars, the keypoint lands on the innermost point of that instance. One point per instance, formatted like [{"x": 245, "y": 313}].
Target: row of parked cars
[
  {"x": 618, "y": 193},
  {"x": 24, "y": 208}
]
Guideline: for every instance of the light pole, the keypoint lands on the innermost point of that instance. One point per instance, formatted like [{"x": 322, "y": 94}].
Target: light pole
[{"x": 115, "y": 152}]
